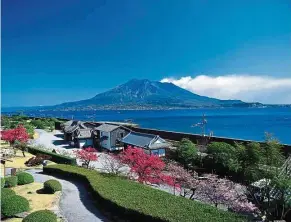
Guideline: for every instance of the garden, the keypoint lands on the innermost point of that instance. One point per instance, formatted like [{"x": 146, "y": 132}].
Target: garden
[{"x": 23, "y": 199}]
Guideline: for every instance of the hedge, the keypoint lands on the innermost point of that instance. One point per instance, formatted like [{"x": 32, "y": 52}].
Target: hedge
[
  {"x": 13, "y": 205},
  {"x": 24, "y": 178},
  {"x": 2, "y": 182},
  {"x": 52, "y": 186},
  {"x": 137, "y": 202},
  {"x": 11, "y": 181},
  {"x": 41, "y": 215},
  {"x": 6, "y": 192},
  {"x": 57, "y": 158}
]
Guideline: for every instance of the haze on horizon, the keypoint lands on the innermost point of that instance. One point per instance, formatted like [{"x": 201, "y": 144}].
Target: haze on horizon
[{"x": 59, "y": 51}]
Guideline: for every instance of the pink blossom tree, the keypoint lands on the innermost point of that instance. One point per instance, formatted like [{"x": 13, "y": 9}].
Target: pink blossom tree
[
  {"x": 182, "y": 179},
  {"x": 147, "y": 168},
  {"x": 224, "y": 192}
]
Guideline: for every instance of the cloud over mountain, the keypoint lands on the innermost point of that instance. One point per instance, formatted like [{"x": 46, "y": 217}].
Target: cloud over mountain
[{"x": 250, "y": 88}]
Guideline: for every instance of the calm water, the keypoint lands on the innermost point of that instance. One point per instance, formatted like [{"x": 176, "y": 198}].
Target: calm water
[{"x": 243, "y": 123}]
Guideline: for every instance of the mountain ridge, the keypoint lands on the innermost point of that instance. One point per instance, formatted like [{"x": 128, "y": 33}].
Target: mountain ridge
[{"x": 146, "y": 94}]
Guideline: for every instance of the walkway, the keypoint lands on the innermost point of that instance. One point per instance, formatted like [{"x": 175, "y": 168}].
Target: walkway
[{"x": 75, "y": 203}]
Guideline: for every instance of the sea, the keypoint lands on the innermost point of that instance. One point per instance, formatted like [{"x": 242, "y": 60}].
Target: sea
[{"x": 240, "y": 123}]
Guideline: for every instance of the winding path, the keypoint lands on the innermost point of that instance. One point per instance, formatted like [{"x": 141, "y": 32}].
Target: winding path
[{"x": 75, "y": 203}]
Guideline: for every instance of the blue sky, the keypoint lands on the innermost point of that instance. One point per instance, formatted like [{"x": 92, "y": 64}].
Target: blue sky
[{"x": 58, "y": 51}]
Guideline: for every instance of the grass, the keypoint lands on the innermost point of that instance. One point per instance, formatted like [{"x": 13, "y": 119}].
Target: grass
[{"x": 37, "y": 201}]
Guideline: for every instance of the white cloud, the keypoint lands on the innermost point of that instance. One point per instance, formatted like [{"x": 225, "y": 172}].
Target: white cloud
[{"x": 249, "y": 88}]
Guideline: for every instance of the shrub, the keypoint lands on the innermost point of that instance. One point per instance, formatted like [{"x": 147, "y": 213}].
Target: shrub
[
  {"x": 52, "y": 186},
  {"x": 24, "y": 178},
  {"x": 37, "y": 160},
  {"x": 41, "y": 215},
  {"x": 2, "y": 182},
  {"x": 57, "y": 158},
  {"x": 14, "y": 204},
  {"x": 137, "y": 202},
  {"x": 11, "y": 181},
  {"x": 5, "y": 192}
]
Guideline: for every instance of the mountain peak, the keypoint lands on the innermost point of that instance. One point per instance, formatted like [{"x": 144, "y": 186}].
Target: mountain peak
[{"x": 141, "y": 93}]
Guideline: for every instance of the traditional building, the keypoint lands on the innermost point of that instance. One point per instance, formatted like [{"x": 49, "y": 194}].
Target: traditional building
[
  {"x": 108, "y": 136},
  {"x": 152, "y": 144}
]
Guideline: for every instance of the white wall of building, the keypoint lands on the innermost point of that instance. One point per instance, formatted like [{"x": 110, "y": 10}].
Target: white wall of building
[{"x": 105, "y": 143}]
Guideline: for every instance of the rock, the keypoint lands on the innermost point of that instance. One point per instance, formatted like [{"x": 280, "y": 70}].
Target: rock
[{"x": 21, "y": 215}]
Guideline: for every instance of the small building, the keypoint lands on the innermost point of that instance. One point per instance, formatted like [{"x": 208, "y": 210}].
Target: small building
[
  {"x": 152, "y": 144},
  {"x": 69, "y": 129},
  {"x": 83, "y": 138},
  {"x": 108, "y": 136}
]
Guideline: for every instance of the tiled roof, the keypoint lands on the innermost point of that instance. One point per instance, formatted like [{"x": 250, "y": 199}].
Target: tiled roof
[
  {"x": 144, "y": 140},
  {"x": 84, "y": 133},
  {"x": 107, "y": 127}
]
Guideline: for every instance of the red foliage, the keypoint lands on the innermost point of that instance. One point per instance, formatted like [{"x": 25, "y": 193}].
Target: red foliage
[
  {"x": 87, "y": 155},
  {"x": 148, "y": 168},
  {"x": 17, "y": 134}
]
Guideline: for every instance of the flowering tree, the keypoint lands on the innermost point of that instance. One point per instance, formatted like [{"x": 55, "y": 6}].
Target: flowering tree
[
  {"x": 147, "y": 168},
  {"x": 17, "y": 137},
  {"x": 86, "y": 156},
  {"x": 222, "y": 191},
  {"x": 182, "y": 179},
  {"x": 112, "y": 163}
]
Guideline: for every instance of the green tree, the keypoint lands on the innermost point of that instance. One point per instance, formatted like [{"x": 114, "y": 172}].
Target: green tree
[
  {"x": 272, "y": 151},
  {"x": 186, "y": 152},
  {"x": 250, "y": 156},
  {"x": 29, "y": 129},
  {"x": 39, "y": 124},
  {"x": 224, "y": 156}
]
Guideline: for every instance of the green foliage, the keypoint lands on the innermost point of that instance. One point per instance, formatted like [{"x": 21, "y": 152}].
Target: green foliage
[
  {"x": 137, "y": 202},
  {"x": 39, "y": 124},
  {"x": 57, "y": 158},
  {"x": 11, "y": 181},
  {"x": 6, "y": 192},
  {"x": 14, "y": 204},
  {"x": 41, "y": 215},
  {"x": 272, "y": 151},
  {"x": 224, "y": 156},
  {"x": 52, "y": 186},
  {"x": 2, "y": 182},
  {"x": 29, "y": 129},
  {"x": 24, "y": 178},
  {"x": 186, "y": 151}
]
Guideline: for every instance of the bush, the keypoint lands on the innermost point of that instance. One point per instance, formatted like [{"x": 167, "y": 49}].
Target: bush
[
  {"x": 136, "y": 202},
  {"x": 11, "y": 181},
  {"x": 52, "y": 186},
  {"x": 41, "y": 215},
  {"x": 57, "y": 158},
  {"x": 5, "y": 192},
  {"x": 2, "y": 182},
  {"x": 24, "y": 178},
  {"x": 14, "y": 204}
]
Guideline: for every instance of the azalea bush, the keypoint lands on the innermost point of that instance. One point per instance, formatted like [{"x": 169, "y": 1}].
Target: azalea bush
[
  {"x": 87, "y": 155},
  {"x": 145, "y": 168},
  {"x": 17, "y": 137}
]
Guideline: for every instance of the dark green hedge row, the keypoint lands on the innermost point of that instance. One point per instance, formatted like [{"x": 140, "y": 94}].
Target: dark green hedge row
[
  {"x": 136, "y": 202},
  {"x": 57, "y": 158}
]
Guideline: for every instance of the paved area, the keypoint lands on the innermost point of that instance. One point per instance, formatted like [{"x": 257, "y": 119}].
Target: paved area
[{"x": 75, "y": 203}]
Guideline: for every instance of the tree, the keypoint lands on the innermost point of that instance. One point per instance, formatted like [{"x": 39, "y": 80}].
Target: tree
[
  {"x": 29, "y": 129},
  {"x": 112, "y": 164},
  {"x": 147, "y": 168},
  {"x": 39, "y": 124},
  {"x": 186, "y": 152},
  {"x": 224, "y": 156},
  {"x": 272, "y": 151},
  {"x": 250, "y": 156},
  {"x": 224, "y": 192},
  {"x": 16, "y": 136},
  {"x": 86, "y": 156},
  {"x": 182, "y": 180}
]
